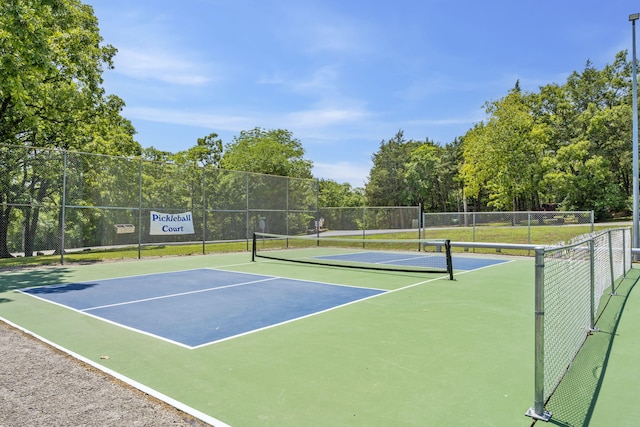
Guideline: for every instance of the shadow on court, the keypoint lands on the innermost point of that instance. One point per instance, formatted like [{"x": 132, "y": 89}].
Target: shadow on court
[
  {"x": 10, "y": 281},
  {"x": 573, "y": 402}
]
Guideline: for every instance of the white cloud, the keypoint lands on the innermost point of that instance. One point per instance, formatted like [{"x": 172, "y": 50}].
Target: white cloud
[
  {"x": 186, "y": 118},
  {"x": 324, "y": 117},
  {"x": 167, "y": 67},
  {"x": 354, "y": 174}
]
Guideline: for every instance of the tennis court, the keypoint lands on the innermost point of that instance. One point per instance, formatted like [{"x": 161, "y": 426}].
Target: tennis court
[{"x": 273, "y": 343}]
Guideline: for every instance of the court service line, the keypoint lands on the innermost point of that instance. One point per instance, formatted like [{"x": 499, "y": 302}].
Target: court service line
[{"x": 178, "y": 294}]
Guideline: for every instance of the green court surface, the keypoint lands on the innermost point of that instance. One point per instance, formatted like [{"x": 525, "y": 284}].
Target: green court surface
[{"x": 432, "y": 352}]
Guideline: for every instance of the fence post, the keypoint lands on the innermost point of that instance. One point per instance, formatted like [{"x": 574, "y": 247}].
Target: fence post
[
  {"x": 63, "y": 226},
  {"x": 246, "y": 194},
  {"x": 537, "y": 410},
  {"x": 364, "y": 225},
  {"x": 624, "y": 254},
  {"x": 592, "y": 295},
  {"x": 613, "y": 277},
  {"x": 140, "y": 209},
  {"x": 204, "y": 210},
  {"x": 473, "y": 239},
  {"x": 318, "y": 214},
  {"x": 419, "y": 224}
]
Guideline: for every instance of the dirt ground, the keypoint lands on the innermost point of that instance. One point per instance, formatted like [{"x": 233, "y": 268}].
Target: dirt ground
[{"x": 41, "y": 386}]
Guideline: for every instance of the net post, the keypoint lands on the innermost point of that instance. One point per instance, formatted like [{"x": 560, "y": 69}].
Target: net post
[
  {"x": 447, "y": 245},
  {"x": 537, "y": 411},
  {"x": 253, "y": 248}
]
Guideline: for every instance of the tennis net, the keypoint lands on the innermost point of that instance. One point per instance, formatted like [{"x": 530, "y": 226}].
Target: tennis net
[{"x": 405, "y": 255}]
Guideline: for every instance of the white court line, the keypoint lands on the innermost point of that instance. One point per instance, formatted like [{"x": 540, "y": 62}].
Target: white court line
[{"x": 178, "y": 294}]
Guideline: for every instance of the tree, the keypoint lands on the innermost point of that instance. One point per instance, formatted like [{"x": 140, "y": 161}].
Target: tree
[
  {"x": 504, "y": 155},
  {"x": 206, "y": 152},
  {"x": 387, "y": 185},
  {"x": 334, "y": 194},
  {"x": 273, "y": 152},
  {"x": 424, "y": 183},
  {"x": 585, "y": 180},
  {"x": 590, "y": 121},
  {"x": 51, "y": 66}
]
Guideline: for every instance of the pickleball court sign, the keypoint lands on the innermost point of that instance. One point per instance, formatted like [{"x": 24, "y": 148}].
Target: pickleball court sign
[{"x": 170, "y": 224}]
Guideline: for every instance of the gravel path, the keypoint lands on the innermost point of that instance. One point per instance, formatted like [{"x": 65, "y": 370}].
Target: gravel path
[{"x": 41, "y": 386}]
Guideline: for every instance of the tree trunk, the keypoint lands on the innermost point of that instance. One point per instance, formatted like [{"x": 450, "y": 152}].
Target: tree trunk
[
  {"x": 4, "y": 228},
  {"x": 28, "y": 235},
  {"x": 31, "y": 218}
]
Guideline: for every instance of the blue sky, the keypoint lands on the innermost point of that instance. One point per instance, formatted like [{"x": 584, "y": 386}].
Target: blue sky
[{"x": 342, "y": 75}]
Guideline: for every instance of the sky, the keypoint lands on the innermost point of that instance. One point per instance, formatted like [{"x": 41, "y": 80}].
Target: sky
[{"x": 342, "y": 75}]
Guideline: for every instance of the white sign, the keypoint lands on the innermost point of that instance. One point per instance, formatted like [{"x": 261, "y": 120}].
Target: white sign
[{"x": 166, "y": 224}]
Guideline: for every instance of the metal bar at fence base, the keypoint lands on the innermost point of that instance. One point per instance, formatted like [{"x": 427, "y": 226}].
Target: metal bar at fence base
[{"x": 537, "y": 411}]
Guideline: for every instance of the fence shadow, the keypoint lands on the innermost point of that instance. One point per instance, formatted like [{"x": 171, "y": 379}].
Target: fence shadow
[{"x": 574, "y": 400}]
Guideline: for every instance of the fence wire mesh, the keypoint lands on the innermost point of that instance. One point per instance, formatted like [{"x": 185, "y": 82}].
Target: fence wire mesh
[
  {"x": 483, "y": 220},
  {"x": 571, "y": 282},
  {"x": 369, "y": 219},
  {"x": 57, "y": 201}
]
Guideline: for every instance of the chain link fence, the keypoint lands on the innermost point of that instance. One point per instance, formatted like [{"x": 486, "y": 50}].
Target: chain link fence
[
  {"x": 368, "y": 220},
  {"x": 571, "y": 282},
  {"x": 474, "y": 221},
  {"x": 58, "y": 201}
]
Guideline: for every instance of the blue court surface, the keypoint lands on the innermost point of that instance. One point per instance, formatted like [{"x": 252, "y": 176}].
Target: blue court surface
[
  {"x": 199, "y": 307},
  {"x": 414, "y": 260}
]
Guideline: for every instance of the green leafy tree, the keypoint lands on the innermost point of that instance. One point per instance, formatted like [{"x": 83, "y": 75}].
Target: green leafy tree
[
  {"x": 425, "y": 184},
  {"x": 206, "y": 152},
  {"x": 273, "y": 152},
  {"x": 51, "y": 96},
  {"x": 590, "y": 115},
  {"x": 334, "y": 194},
  {"x": 387, "y": 184},
  {"x": 585, "y": 180},
  {"x": 504, "y": 155}
]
